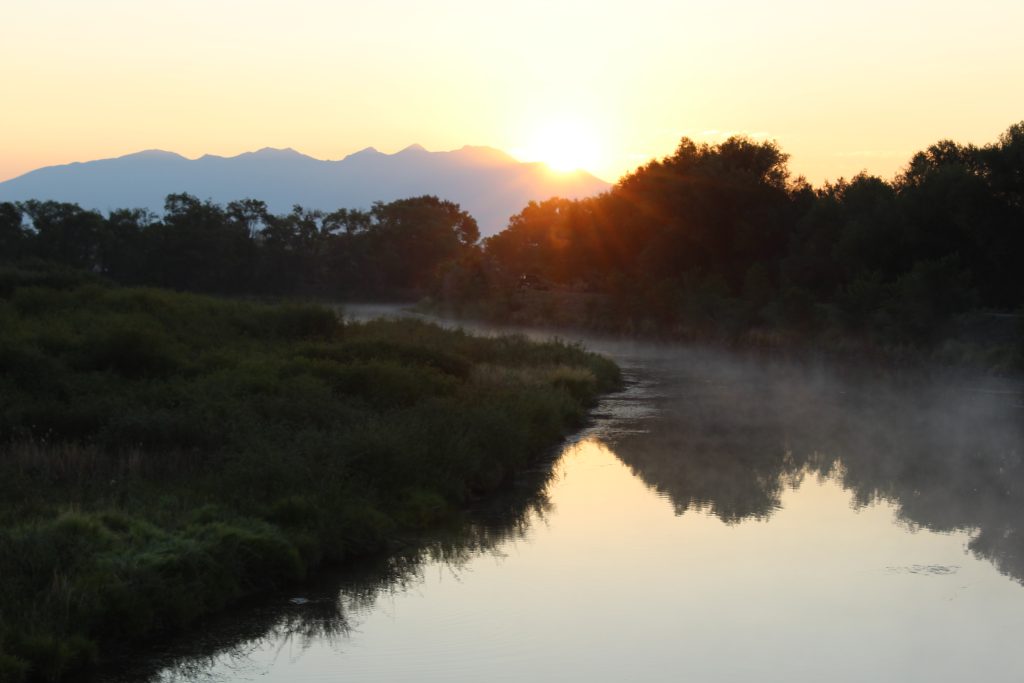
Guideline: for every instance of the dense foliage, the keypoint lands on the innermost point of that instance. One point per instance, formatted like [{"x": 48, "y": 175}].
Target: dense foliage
[
  {"x": 163, "y": 454},
  {"x": 719, "y": 239},
  {"x": 392, "y": 250}
]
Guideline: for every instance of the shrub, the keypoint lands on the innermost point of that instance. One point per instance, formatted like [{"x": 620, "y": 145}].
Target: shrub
[
  {"x": 290, "y": 321},
  {"x": 129, "y": 350}
]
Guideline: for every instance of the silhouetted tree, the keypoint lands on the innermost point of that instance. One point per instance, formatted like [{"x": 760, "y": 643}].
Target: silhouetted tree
[
  {"x": 408, "y": 239},
  {"x": 196, "y": 247},
  {"x": 65, "y": 233},
  {"x": 123, "y": 253},
  {"x": 720, "y": 237},
  {"x": 13, "y": 237},
  {"x": 713, "y": 239}
]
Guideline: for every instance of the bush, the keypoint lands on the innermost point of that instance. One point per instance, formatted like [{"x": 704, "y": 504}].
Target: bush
[
  {"x": 129, "y": 350},
  {"x": 290, "y": 321}
]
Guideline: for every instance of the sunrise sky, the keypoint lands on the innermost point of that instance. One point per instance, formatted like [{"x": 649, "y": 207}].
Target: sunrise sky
[{"x": 841, "y": 87}]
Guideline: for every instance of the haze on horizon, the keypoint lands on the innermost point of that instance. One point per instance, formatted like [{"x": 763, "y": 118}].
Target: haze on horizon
[{"x": 607, "y": 86}]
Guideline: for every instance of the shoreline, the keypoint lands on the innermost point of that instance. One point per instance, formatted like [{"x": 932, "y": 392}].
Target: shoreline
[{"x": 328, "y": 441}]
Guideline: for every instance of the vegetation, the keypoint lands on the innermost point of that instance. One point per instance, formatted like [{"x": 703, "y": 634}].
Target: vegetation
[
  {"x": 713, "y": 242},
  {"x": 165, "y": 454},
  {"x": 718, "y": 241},
  {"x": 391, "y": 251}
]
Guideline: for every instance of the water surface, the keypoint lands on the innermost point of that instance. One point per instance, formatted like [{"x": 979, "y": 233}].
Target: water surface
[{"x": 722, "y": 519}]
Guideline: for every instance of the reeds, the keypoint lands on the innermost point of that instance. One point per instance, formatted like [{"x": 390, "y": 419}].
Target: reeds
[{"x": 163, "y": 454}]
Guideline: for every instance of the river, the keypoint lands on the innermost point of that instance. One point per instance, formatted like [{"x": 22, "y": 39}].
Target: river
[{"x": 721, "y": 519}]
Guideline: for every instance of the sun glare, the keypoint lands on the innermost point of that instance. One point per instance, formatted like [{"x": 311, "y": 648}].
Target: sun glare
[{"x": 564, "y": 146}]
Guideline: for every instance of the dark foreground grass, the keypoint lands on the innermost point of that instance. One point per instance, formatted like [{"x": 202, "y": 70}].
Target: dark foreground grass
[{"x": 163, "y": 455}]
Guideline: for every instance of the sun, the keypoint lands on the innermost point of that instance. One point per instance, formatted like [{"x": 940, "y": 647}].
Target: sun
[{"x": 564, "y": 146}]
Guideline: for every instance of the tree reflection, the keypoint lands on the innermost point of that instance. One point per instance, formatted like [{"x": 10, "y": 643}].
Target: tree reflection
[{"x": 730, "y": 436}]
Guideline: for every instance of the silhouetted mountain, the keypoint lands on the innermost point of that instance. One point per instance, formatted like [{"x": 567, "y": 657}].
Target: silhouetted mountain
[{"x": 488, "y": 183}]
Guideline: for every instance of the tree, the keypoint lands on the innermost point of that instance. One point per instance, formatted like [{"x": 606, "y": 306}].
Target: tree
[
  {"x": 13, "y": 237},
  {"x": 65, "y": 233},
  {"x": 123, "y": 245},
  {"x": 410, "y": 238},
  {"x": 197, "y": 247}
]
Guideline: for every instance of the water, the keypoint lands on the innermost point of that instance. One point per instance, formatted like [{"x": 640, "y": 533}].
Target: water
[{"x": 722, "y": 519}]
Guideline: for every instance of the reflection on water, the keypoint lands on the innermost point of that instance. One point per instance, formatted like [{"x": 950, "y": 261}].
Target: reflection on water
[
  {"x": 722, "y": 519},
  {"x": 731, "y": 436},
  {"x": 323, "y": 612}
]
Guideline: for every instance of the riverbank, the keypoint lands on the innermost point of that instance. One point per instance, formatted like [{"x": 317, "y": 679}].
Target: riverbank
[
  {"x": 165, "y": 455},
  {"x": 980, "y": 342}
]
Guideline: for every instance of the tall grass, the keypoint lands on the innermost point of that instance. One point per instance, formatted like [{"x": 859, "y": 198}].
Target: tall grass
[{"x": 163, "y": 454}]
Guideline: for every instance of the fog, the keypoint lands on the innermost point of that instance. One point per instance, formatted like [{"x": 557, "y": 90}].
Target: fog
[
  {"x": 728, "y": 432},
  {"x": 733, "y": 432}
]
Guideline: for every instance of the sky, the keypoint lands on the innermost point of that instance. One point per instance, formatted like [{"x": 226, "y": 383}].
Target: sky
[{"x": 841, "y": 87}]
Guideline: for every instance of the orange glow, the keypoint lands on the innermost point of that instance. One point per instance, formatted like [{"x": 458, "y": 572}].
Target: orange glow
[{"x": 88, "y": 80}]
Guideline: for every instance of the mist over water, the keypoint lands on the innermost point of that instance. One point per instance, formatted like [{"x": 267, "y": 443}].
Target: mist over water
[
  {"x": 721, "y": 519},
  {"x": 731, "y": 435}
]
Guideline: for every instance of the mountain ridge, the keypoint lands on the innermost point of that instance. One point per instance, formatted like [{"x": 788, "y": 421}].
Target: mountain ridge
[{"x": 488, "y": 182}]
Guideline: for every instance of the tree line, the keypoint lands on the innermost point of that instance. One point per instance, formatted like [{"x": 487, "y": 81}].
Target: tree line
[
  {"x": 722, "y": 237},
  {"x": 390, "y": 251},
  {"x": 711, "y": 240}
]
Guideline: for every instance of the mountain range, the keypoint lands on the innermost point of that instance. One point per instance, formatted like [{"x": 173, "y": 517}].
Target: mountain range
[{"x": 486, "y": 182}]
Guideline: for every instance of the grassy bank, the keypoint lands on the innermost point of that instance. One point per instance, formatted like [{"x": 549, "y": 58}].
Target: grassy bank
[{"x": 164, "y": 455}]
